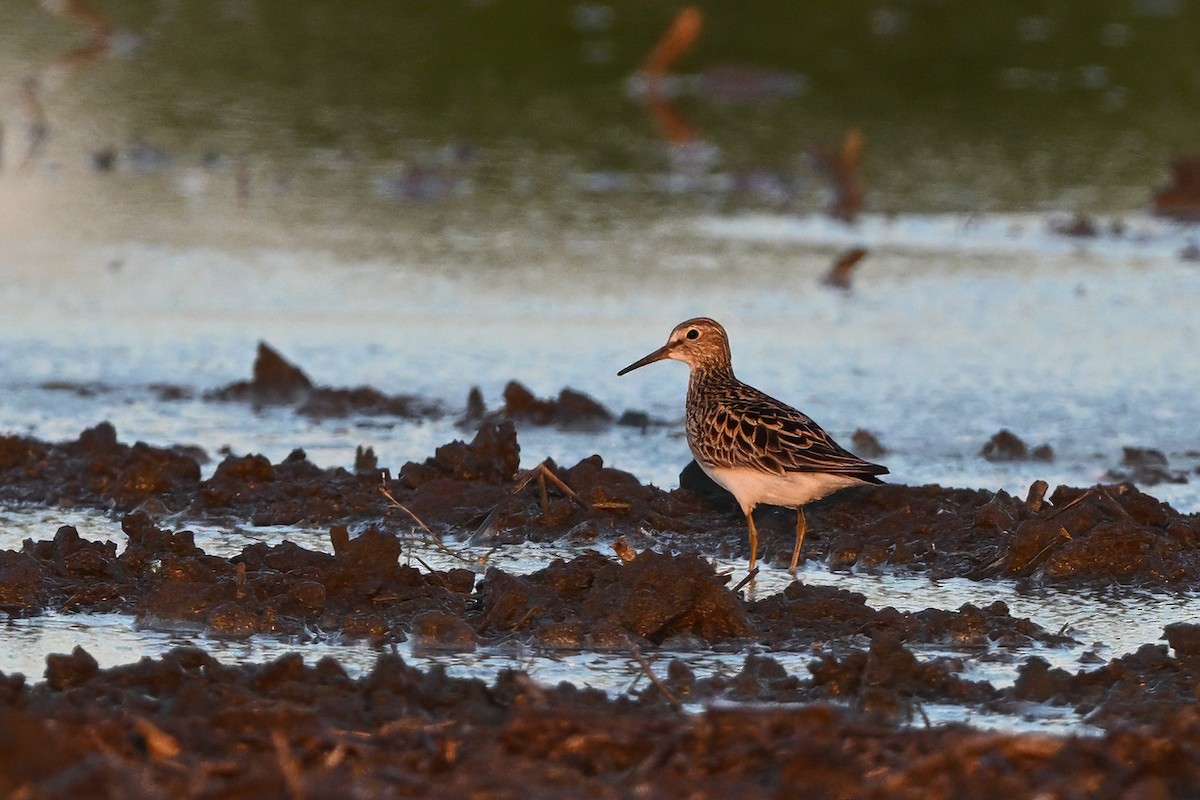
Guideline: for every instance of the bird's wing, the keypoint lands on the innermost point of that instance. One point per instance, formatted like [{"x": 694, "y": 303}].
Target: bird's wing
[{"x": 759, "y": 431}]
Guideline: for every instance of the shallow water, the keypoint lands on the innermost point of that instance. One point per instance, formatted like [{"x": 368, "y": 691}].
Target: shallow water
[{"x": 933, "y": 351}]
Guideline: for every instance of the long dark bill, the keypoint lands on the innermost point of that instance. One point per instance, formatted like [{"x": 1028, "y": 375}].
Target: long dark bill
[{"x": 657, "y": 355}]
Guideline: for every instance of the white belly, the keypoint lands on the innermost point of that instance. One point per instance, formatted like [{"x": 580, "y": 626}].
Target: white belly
[{"x": 792, "y": 489}]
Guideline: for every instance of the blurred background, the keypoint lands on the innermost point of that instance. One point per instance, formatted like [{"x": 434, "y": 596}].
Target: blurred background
[{"x": 331, "y": 114}]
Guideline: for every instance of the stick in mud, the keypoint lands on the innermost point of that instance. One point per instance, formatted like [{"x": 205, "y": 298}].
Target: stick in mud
[
  {"x": 751, "y": 575},
  {"x": 543, "y": 474},
  {"x": 432, "y": 538},
  {"x": 658, "y": 684}
]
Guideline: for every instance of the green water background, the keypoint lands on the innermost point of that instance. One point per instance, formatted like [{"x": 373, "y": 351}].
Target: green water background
[{"x": 966, "y": 107}]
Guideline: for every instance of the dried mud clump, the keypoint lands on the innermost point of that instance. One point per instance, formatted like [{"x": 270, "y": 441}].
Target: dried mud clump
[
  {"x": 492, "y": 457},
  {"x": 866, "y": 445},
  {"x": 293, "y": 491},
  {"x": 1137, "y": 688}
]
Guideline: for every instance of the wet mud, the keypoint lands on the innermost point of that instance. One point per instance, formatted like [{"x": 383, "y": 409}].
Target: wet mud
[
  {"x": 641, "y": 583},
  {"x": 1074, "y": 537},
  {"x": 185, "y": 725}
]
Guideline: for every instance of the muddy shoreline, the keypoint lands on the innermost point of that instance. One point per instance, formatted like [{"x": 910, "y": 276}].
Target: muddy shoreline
[{"x": 185, "y": 725}]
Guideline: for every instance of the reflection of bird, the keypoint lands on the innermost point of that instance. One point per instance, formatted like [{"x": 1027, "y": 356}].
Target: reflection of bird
[
  {"x": 840, "y": 170},
  {"x": 678, "y": 39},
  {"x": 39, "y": 129},
  {"x": 97, "y": 46},
  {"x": 759, "y": 449},
  {"x": 839, "y": 274},
  {"x": 1181, "y": 198}
]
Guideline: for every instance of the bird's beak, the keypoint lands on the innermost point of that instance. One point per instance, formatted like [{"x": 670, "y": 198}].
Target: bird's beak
[{"x": 657, "y": 355}]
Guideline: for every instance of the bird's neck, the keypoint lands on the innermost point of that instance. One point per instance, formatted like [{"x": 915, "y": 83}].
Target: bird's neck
[{"x": 704, "y": 378}]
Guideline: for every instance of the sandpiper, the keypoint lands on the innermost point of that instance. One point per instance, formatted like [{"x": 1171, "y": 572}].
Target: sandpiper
[{"x": 757, "y": 448}]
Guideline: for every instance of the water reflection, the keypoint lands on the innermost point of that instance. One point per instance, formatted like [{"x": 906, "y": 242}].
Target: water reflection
[{"x": 965, "y": 109}]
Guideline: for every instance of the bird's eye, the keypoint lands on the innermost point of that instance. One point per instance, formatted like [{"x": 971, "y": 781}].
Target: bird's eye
[{"x": 693, "y": 333}]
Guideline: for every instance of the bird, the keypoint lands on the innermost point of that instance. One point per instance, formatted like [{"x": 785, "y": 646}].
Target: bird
[{"x": 759, "y": 449}]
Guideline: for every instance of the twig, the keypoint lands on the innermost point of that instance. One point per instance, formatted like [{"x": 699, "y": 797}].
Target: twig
[
  {"x": 543, "y": 474},
  {"x": 430, "y": 538},
  {"x": 567, "y": 490},
  {"x": 288, "y": 767},
  {"x": 623, "y": 550},
  {"x": 383, "y": 490},
  {"x": 1112, "y": 502},
  {"x": 751, "y": 575},
  {"x": 1074, "y": 502},
  {"x": 658, "y": 684}
]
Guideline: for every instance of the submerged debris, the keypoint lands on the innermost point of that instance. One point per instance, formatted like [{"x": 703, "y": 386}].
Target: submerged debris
[
  {"x": 1146, "y": 466},
  {"x": 571, "y": 410},
  {"x": 1180, "y": 199},
  {"x": 1007, "y": 446},
  {"x": 840, "y": 168},
  {"x": 277, "y": 381},
  {"x": 843, "y": 266},
  {"x": 865, "y": 444}
]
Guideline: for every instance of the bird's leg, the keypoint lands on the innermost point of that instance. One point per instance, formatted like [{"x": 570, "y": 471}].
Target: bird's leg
[
  {"x": 801, "y": 528},
  {"x": 753, "y": 538}
]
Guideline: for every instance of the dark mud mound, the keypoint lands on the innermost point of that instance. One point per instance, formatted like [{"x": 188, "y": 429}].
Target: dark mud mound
[
  {"x": 164, "y": 579},
  {"x": 293, "y": 491},
  {"x": 802, "y": 614},
  {"x": 1140, "y": 687},
  {"x": 1147, "y": 467},
  {"x": 888, "y": 683},
  {"x": 187, "y": 726},
  {"x": 571, "y": 410},
  {"x": 278, "y": 382},
  {"x": 592, "y": 602},
  {"x": 1007, "y": 446},
  {"x": 885, "y": 683},
  {"x": 95, "y": 470},
  {"x": 1180, "y": 199},
  {"x": 1080, "y": 537}
]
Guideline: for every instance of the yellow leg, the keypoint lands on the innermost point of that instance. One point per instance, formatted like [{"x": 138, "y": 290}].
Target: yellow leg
[
  {"x": 753, "y": 538},
  {"x": 801, "y": 528}
]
